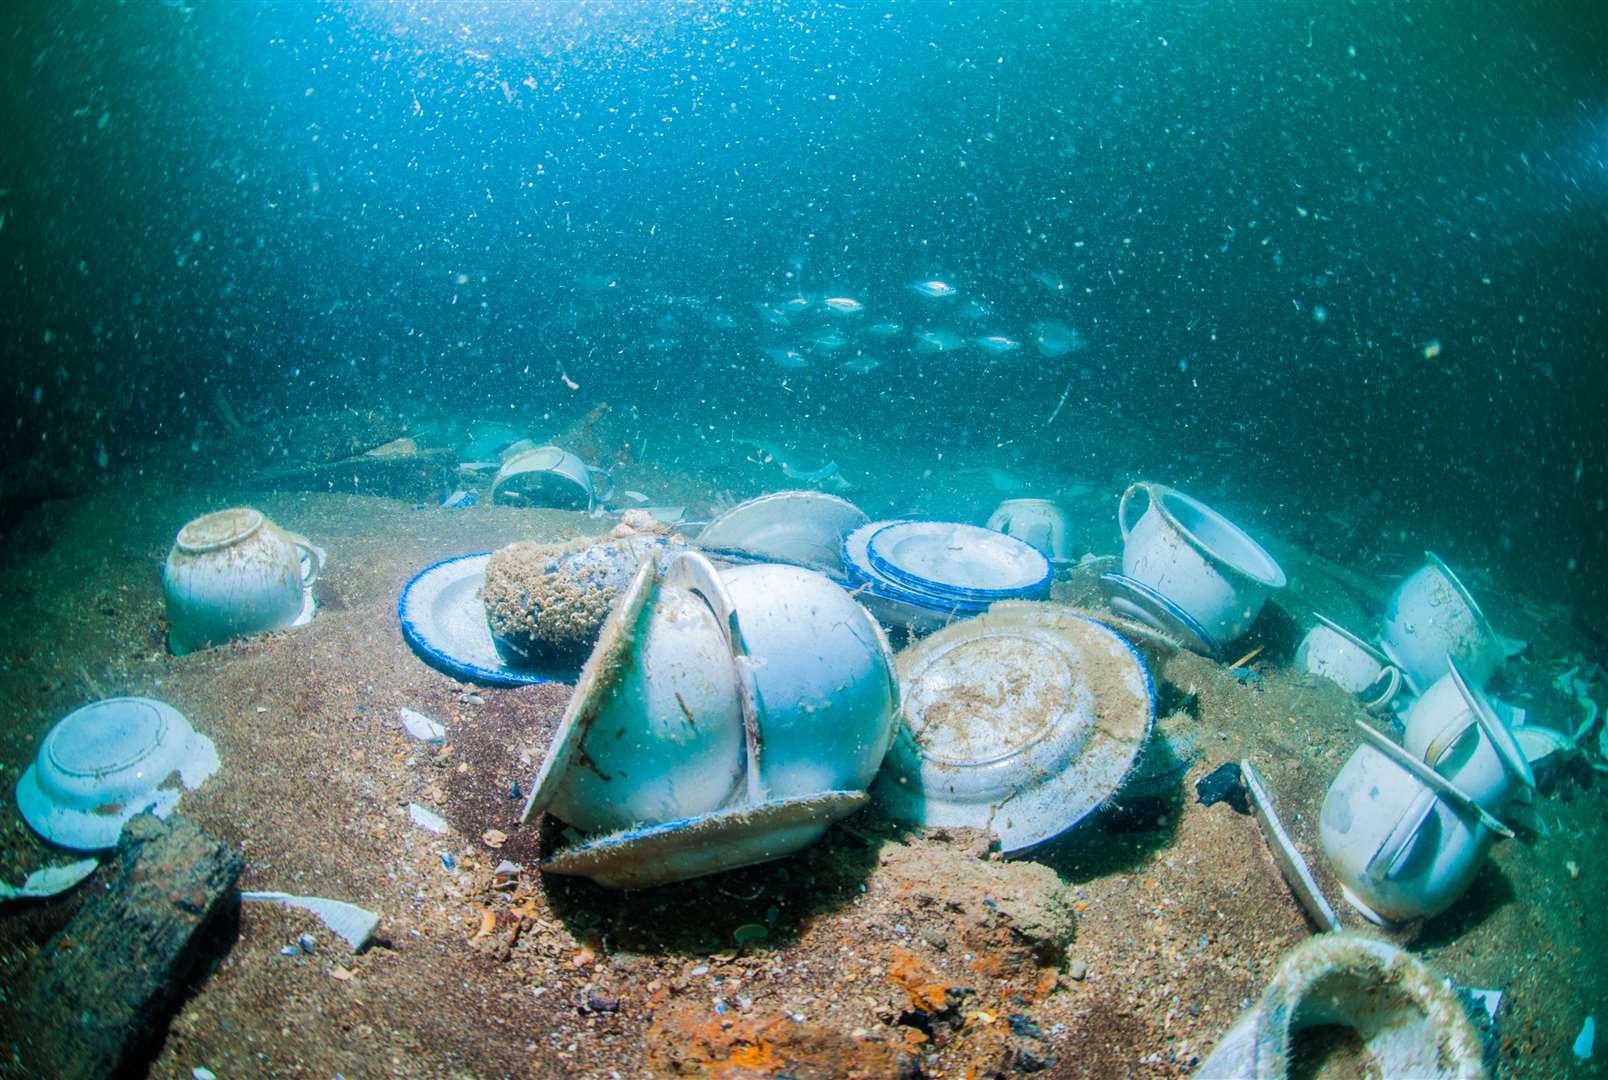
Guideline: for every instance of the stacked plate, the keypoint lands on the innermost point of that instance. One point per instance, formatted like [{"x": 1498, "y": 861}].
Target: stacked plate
[{"x": 924, "y": 574}]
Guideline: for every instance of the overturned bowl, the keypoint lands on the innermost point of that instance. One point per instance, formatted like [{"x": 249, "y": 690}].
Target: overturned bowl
[
  {"x": 107, "y": 762},
  {"x": 800, "y": 528},
  {"x": 817, "y": 674}
]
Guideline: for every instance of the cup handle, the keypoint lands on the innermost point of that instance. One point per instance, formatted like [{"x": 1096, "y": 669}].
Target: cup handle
[
  {"x": 1390, "y": 675},
  {"x": 1122, "y": 507},
  {"x": 315, "y": 557}
]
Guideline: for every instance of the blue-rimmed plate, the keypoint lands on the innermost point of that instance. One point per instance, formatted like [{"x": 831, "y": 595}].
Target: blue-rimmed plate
[
  {"x": 964, "y": 561},
  {"x": 444, "y": 620},
  {"x": 1139, "y": 601},
  {"x": 706, "y": 844}
]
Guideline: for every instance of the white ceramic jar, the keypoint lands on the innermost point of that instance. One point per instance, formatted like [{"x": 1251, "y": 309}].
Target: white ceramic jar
[
  {"x": 1038, "y": 522},
  {"x": 232, "y": 573},
  {"x": 1430, "y": 617},
  {"x": 1400, "y": 850},
  {"x": 1453, "y": 729},
  {"x": 1332, "y": 651}
]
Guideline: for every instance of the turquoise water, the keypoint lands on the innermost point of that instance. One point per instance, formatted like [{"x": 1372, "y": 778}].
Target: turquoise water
[{"x": 1307, "y": 258}]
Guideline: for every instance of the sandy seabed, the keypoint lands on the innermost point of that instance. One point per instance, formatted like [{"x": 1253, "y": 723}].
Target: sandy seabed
[{"x": 879, "y": 952}]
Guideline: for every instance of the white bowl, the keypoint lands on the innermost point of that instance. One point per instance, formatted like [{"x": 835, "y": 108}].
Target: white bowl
[
  {"x": 107, "y": 762},
  {"x": 547, "y": 476},
  {"x": 818, "y": 676},
  {"x": 1431, "y": 616},
  {"x": 1021, "y": 721},
  {"x": 802, "y": 528},
  {"x": 655, "y": 730}
]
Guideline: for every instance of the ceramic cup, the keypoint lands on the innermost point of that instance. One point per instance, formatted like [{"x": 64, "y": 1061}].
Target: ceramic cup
[
  {"x": 1039, "y": 522},
  {"x": 1198, "y": 559},
  {"x": 549, "y": 476},
  {"x": 1454, "y": 729},
  {"x": 1332, "y": 651},
  {"x": 1431, "y": 616},
  {"x": 232, "y": 573},
  {"x": 1401, "y": 852}
]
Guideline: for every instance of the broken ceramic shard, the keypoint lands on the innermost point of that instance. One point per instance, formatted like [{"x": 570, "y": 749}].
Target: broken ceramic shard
[
  {"x": 352, "y": 924},
  {"x": 49, "y": 881}
]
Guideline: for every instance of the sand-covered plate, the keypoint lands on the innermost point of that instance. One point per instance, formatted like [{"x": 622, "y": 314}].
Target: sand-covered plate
[
  {"x": 1021, "y": 723},
  {"x": 444, "y": 620}
]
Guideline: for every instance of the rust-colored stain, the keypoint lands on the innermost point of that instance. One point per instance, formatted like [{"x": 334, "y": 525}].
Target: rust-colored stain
[{"x": 911, "y": 975}]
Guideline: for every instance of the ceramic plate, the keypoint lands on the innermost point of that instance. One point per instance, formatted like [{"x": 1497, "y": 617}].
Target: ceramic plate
[
  {"x": 1021, "y": 723},
  {"x": 965, "y": 561},
  {"x": 1136, "y": 600},
  {"x": 707, "y": 844},
  {"x": 802, "y": 528},
  {"x": 444, "y": 620}
]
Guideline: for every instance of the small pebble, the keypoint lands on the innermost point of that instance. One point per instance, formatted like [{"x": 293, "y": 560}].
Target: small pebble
[
  {"x": 514, "y": 792},
  {"x": 1077, "y": 970},
  {"x": 1573, "y": 868},
  {"x": 448, "y": 861},
  {"x": 290, "y": 950},
  {"x": 598, "y": 1001},
  {"x": 307, "y": 943},
  {"x": 201, "y": 1072}
]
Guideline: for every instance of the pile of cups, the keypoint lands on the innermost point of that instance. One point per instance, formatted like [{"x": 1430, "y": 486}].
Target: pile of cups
[
  {"x": 1431, "y": 620},
  {"x": 1407, "y": 827},
  {"x": 725, "y": 718}
]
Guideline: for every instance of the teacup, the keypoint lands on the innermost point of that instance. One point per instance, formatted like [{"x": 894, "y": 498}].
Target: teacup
[
  {"x": 233, "y": 573},
  {"x": 1454, "y": 729},
  {"x": 1430, "y": 617},
  {"x": 1332, "y": 651},
  {"x": 549, "y": 476},
  {"x": 1400, "y": 850},
  {"x": 1198, "y": 559},
  {"x": 1039, "y": 522}
]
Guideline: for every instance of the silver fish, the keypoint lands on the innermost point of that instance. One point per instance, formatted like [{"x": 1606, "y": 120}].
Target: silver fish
[{"x": 934, "y": 290}]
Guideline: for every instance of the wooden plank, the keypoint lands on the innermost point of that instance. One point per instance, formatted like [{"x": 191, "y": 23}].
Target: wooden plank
[{"x": 99, "y": 994}]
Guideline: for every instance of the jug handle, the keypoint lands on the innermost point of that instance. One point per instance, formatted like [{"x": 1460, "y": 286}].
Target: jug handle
[
  {"x": 315, "y": 557},
  {"x": 1387, "y": 861},
  {"x": 1122, "y": 507}
]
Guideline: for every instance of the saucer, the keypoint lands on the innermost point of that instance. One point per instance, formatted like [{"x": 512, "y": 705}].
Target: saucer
[
  {"x": 1136, "y": 600},
  {"x": 706, "y": 844}
]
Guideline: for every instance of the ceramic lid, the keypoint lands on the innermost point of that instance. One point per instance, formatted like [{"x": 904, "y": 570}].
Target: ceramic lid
[
  {"x": 1022, "y": 723},
  {"x": 866, "y": 577},
  {"x": 220, "y": 529}
]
